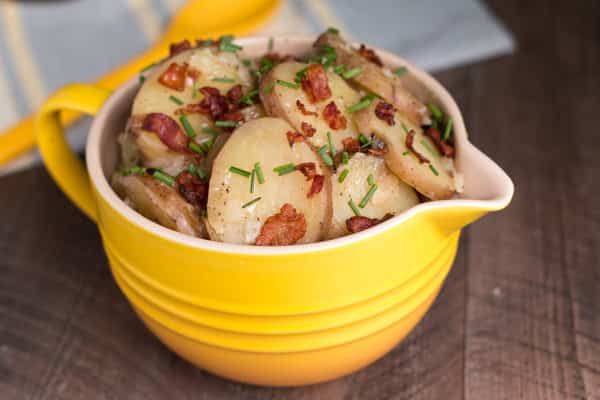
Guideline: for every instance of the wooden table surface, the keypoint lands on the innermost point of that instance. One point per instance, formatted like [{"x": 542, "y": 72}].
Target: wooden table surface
[{"x": 518, "y": 317}]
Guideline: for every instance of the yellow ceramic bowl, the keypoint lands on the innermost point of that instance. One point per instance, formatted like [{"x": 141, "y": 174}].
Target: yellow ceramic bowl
[{"x": 271, "y": 316}]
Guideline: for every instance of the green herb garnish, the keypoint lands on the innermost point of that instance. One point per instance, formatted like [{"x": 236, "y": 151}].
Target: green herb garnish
[
  {"x": 176, "y": 100},
  {"x": 270, "y": 46},
  {"x": 343, "y": 175},
  {"x": 400, "y": 71},
  {"x": 195, "y": 148},
  {"x": 429, "y": 148},
  {"x": 435, "y": 111},
  {"x": 363, "y": 103},
  {"x": 239, "y": 171},
  {"x": 448, "y": 130},
  {"x": 197, "y": 171},
  {"x": 405, "y": 153},
  {"x": 212, "y": 131},
  {"x": 368, "y": 196},
  {"x": 371, "y": 179},
  {"x": 266, "y": 64},
  {"x": 142, "y": 79},
  {"x": 226, "y": 45},
  {"x": 246, "y": 62},
  {"x": 247, "y": 98},
  {"x": 252, "y": 177},
  {"x": 404, "y": 127},
  {"x": 147, "y": 67},
  {"x": 269, "y": 88},
  {"x": 363, "y": 140},
  {"x": 287, "y": 84},
  {"x": 195, "y": 89},
  {"x": 284, "y": 169},
  {"x": 251, "y": 202},
  {"x": 207, "y": 144},
  {"x": 352, "y": 73},
  {"x": 226, "y": 124},
  {"x": 432, "y": 168},
  {"x": 325, "y": 156},
  {"x": 345, "y": 158},
  {"x": 259, "y": 173},
  {"x": 187, "y": 127},
  {"x": 355, "y": 209},
  {"x": 300, "y": 75},
  {"x": 137, "y": 170},
  {"x": 163, "y": 177},
  {"x": 223, "y": 80},
  {"x": 330, "y": 141},
  {"x": 333, "y": 30},
  {"x": 339, "y": 69}
]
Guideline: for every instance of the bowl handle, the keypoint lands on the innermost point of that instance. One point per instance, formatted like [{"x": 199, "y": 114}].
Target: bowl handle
[{"x": 63, "y": 164}]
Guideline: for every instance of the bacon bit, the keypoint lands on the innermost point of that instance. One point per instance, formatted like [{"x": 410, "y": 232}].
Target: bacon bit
[
  {"x": 167, "y": 130},
  {"x": 360, "y": 223},
  {"x": 315, "y": 83},
  {"x": 214, "y": 103},
  {"x": 317, "y": 185},
  {"x": 294, "y": 137},
  {"x": 378, "y": 147},
  {"x": 444, "y": 147},
  {"x": 307, "y": 129},
  {"x": 370, "y": 55},
  {"x": 177, "y": 48},
  {"x": 174, "y": 77},
  {"x": 351, "y": 145},
  {"x": 282, "y": 229},
  {"x": 385, "y": 111},
  {"x": 409, "y": 144},
  {"x": 309, "y": 169},
  {"x": 193, "y": 73},
  {"x": 192, "y": 189},
  {"x": 235, "y": 94},
  {"x": 334, "y": 117},
  {"x": 303, "y": 109}
]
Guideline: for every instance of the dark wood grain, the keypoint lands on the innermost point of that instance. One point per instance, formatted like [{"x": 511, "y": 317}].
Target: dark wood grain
[{"x": 518, "y": 317}]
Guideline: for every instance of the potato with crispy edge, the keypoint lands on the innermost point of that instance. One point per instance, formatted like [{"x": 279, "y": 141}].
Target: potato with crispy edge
[
  {"x": 264, "y": 140},
  {"x": 160, "y": 203},
  {"x": 434, "y": 178},
  {"x": 376, "y": 79},
  {"x": 391, "y": 197},
  {"x": 280, "y": 101}
]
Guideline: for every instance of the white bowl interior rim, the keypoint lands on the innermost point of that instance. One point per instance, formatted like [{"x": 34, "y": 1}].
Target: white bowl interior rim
[{"x": 499, "y": 186}]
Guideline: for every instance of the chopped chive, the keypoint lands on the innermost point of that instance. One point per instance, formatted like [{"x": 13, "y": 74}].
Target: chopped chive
[
  {"x": 187, "y": 127},
  {"x": 246, "y": 62},
  {"x": 345, "y": 158},
  {"x": 212, "y": 131},
  {"x": 331, "y": 147},
  {"x": 251, "y": 202},
  {"x": 404, "y": 127},
  {"x": 252, "y": 177},
  {"x": 352, "y": 73},
  {"x": 195, "y": 88},
  {"x": 400, "y": 71},
  {"x": 223, "y": 80},
  {"x": 435, "y": 111},
  {"x": 434, "y": 123},
  {"x": 343, "y": 175},
  {"x": 195, "y": 148},
  {"x": 284, "y": 169},
  {"x": 355, "y": 209},
  {"x": 405, "y": 153},
  {"x": 363, "y": 103},
  {"x": 175, "y": 100},
  {"x": 266, "y": 64},
  {"x": 207, "y": 144},
  {"x": 271, "y": 42},
  {"x": 448, "y": 130},
  {"x": 327, "y": 49},
  {"x": 300, "y": 75},
  {"x": 269, "y": 88},
  {"x": 432, "y": 168},
  {"x": 429, "y": 148},
  {"x": 163, "y": 177},
  {"x": 142, "y": 79},
  {"x": 259, "y": 173},
  {"x": 333, "y": 30},
  {"x": 247, "y": 98},
  {"x": 197, "y": 171},
  {"x": 240, "y": 171},
  {"x": 368, "y": 196},
  {"x": 147, "y": 67},
  {"x": 371, "y": 179},
  {"x": 226, "y": 124},
  {"x": 326, "y": 157},
  {"x": 133, "y": 170},
  {"x": 226, "y": 45},
  {"x": 363, "y": 140},
  {"x": 287, "y": 84},
  {"x": 339, "y": 69}
]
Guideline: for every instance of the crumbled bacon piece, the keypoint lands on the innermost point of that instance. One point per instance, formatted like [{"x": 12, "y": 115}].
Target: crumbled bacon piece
[
  {"x": 443, "y": 146},
  {"x": 214, "y": 103},
  {"x": 370, "y": 55},
  {"x": 315, "y": 83},
  {"x": 303, "y": 109},
  {"x": 334, "y": 117},
  {"x": 282, "y": 229},
  {"x": 351, "y": 145},
  {"x": 174, "y": 76},
  {"x": 317, "y": 185},
  {"x": 360, "y": 223},
  {"x": 307, "y": 129},
  {"x": 167, "y": 130},
  {"x": 409, "y": 145},
  {"x": 294, "y": 137},
  {"x": 385, "y": 111},
  {"x": 235, "y": 94},
  {"x": 309, "y": 169},
  {"x": 193, "y": 189},
  {"x": 377, "y": 152},
  {"x": 176, "y": 48}
]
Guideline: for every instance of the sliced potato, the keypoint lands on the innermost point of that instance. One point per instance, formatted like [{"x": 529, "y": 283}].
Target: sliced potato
[
  {"x": 376, "y": 79},
  {"x": 263, "y": 140},
  {"x": 391, "y": 197},
  {"x": 434, "y": 179},
  {"x": 280, "y": 101},
  {"x": 160, "y": 203}
]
